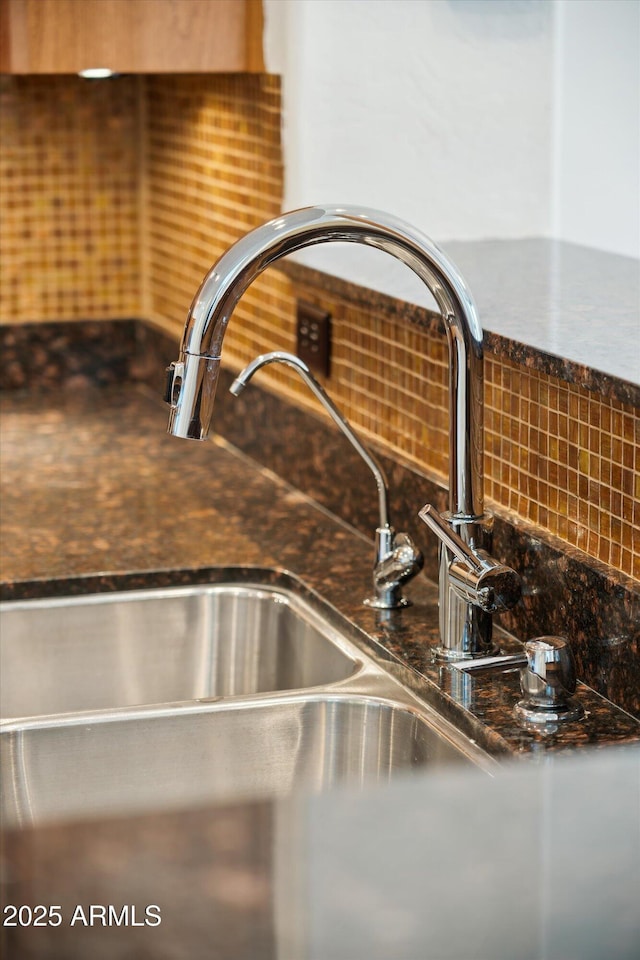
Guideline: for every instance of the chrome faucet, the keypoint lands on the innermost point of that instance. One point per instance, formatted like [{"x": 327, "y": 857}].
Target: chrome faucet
[
  {"x": 397, "y": 558},
  {"x": 466, "y": 606}
]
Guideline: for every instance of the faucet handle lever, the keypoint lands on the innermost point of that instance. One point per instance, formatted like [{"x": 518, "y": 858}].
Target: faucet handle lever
[
  {"x": 450, "y": 538},
  {"x": 475, "y": 577}
]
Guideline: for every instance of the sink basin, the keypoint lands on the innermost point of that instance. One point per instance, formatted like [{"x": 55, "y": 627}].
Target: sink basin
[
  {"x": 147, "y": 700},
  {"x": 162, "y": 645},
  {"x": 230, "y": 750}
]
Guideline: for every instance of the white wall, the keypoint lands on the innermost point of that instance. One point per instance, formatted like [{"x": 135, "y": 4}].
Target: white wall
[
  {"x": 437, "y": 110},
  {"x": 469, "y": 118},
  {"x": 596, "y": 184}
]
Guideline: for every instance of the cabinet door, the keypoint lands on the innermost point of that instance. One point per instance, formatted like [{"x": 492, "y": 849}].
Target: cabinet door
[{"x": 130, "y": 36}]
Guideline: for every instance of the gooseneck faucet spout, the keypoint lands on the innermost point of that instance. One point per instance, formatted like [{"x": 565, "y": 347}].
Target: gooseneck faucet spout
[
  {"x": 291, "y": 360},
  {"x": 248, "y": 257},
  {"x": 397, "y": 558},
  {"x": 465, "y": 627}
]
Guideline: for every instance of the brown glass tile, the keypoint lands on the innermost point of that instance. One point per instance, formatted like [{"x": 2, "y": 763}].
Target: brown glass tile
[{"x": 69, "y": 199}]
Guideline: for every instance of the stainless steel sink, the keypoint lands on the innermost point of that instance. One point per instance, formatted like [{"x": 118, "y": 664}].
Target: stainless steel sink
[
  {"x": 156, "y": 699},
  {"x": 162, "y": 645},
  {"x": 230, "y": 750}
]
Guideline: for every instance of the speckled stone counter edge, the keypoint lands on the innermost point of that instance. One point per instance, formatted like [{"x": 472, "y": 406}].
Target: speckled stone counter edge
[{"x": 495, "y": 343}]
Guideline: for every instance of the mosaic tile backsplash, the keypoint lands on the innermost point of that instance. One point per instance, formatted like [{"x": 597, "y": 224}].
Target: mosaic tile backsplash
[
  {"x": 556, "y": 455},
  {"x": 69, "y": 199},
  {"x": 115, "y": 200},
  {"x": 213, "y": 171}
]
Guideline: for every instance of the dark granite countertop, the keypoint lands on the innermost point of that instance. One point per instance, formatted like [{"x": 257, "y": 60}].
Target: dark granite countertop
[{"x": 95, "y": 496}]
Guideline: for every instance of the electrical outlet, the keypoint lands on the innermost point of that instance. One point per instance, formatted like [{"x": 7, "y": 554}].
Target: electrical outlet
[{"x": 313, "y": 334}]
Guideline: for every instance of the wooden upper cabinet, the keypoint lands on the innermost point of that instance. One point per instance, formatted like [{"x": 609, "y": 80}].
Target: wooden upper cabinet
[{"x": 130, "y": 36}]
